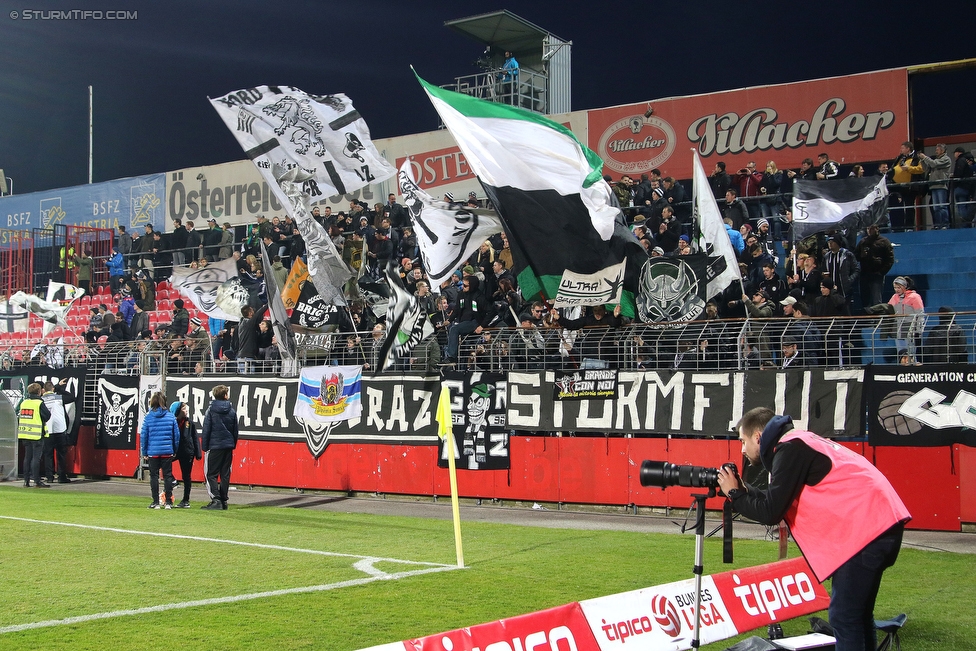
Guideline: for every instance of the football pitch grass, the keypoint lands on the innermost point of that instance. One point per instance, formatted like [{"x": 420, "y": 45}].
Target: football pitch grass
[{"x": 95, "y": 571}]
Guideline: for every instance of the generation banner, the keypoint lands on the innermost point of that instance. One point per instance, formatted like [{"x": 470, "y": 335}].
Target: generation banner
[
  {"x": 658, "y": 618},
  {"x": 921, "y": 406},
  {"x": 855, "y": 118},
  {"x": 132, "y": 202}
]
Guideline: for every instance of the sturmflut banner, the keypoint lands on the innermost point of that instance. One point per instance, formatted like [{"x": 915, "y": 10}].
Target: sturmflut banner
[{"x": 928, "y": 405}]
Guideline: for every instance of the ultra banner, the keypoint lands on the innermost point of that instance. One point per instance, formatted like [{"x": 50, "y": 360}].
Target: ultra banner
[
  {"x": 658, "y": 618},
  {"x": 921, "y": 406},
  {"x": 18, "y": 379},
  {"x": 692, "y": 402}
]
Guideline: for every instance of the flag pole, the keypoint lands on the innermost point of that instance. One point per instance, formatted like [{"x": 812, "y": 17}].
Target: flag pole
[{"x": 446, "y": 431}]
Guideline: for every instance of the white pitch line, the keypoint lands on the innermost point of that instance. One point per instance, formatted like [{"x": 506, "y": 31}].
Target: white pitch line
[
  {"x": 225, "y": 542},
  {"x": 364, "y": 564},
  {"x": 220, "y": 600}
]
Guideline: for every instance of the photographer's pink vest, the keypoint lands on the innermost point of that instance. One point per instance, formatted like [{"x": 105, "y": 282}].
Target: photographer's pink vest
[{"x": 850, "y": 507}]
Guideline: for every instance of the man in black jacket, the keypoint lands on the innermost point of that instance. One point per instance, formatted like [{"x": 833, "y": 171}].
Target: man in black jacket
[
  {"x": 247, "y": 338},
  {"x": 194, "y": 243},
  {"x": 470, "y": 312},
  {"x": 218, "y": 442},
  {"x": 876, "y": 257}
]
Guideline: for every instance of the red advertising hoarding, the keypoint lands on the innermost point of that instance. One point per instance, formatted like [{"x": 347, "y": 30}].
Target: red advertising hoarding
[{"x": 854, "y": 118}]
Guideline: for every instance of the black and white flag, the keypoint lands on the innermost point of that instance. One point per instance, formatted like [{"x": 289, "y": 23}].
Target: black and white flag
[
  {"x": 837, "y": 204},
  {"x": 215, "y": 289},
  {"x": 447, "y": 235},
  {"x": 118, "y": 412},
  {"x": 13, "y": 318},
  {"x": 324, "y": 135},
  {"x": 407, "y": 324},
  {"x": 312, "y": 313},
  {"x": 279, "y": 315}
]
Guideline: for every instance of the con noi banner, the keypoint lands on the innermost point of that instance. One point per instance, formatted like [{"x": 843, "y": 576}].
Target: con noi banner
[
  {"x": 921, "y": 406},
  {"x": 651, "y": 619},
  {"x": 853, "y": 119}
]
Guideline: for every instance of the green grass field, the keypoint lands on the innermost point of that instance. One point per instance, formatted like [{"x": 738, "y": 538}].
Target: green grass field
[{"x": 53, "y": 572}]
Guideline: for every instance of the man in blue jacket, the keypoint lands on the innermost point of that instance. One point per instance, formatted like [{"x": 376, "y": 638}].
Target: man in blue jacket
[{"x": 218, "y": 442}]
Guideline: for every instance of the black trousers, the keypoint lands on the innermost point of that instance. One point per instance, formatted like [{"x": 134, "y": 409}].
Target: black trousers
[
  {"x": 33, "y": 451},
  {"x": 56, "y": 444},
  {"x": 166, "y": 465},
  {"x": 186, "y": 467},
  {"x": 216, "y": 464}
]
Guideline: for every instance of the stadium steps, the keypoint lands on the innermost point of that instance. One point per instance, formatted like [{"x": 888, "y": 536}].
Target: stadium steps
[{"x": 943, "y": 265}]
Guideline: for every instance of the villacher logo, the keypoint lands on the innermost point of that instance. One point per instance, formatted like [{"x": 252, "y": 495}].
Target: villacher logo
[{"x": 636, "y": 143}]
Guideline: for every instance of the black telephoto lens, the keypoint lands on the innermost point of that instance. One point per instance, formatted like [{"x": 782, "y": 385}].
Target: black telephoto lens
[{"x": 664, "y": 474}]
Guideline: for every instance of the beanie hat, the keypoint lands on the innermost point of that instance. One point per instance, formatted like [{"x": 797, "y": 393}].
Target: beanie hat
[
  {"x": 178, "y": 303},
  {"x": 761, "y": 222},
  {"x": 195, "y": 321},
  {"x": 175, "y": 407},
  {"x": 468, "y": 269},
  {"x": 685, "y": 238}
]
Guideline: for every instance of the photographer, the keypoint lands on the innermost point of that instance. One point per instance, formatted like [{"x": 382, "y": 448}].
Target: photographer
[{"x": 812, "y": 483}]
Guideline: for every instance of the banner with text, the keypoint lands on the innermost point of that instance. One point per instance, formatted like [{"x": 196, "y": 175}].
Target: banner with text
[
  {"x": 658, "y": 618},
  {"x": 855, "y": 118},
  {"x": 481, "y": 438},
  {"x": 921, "y": 406},
  {"x": 132, "y": 202}
]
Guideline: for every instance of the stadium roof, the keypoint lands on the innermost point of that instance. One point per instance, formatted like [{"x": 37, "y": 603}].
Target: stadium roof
[{"x": 501, "y": 29}]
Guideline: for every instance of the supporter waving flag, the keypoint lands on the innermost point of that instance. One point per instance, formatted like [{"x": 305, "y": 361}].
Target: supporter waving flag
[
  {"x": 842, "y": 203},
  {"x": 406, "y": 323},
  {"x": 551, "y": 197}
]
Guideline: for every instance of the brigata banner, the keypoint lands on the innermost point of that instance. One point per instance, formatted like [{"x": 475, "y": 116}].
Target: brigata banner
[
  {"x": 658, "y": 618},
  {"x": 853, "y": 119},
  {"x": 921, "y": 406}
]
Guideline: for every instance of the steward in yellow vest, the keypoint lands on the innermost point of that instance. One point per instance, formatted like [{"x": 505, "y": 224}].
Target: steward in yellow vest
[{"x": 32, "y": 414}]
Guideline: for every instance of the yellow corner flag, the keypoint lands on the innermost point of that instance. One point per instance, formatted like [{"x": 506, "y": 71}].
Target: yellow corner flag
[{"x": 445, "y": 430}]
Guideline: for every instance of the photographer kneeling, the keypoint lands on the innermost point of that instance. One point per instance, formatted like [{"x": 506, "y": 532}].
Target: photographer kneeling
[{"x": 842, "y": 512}]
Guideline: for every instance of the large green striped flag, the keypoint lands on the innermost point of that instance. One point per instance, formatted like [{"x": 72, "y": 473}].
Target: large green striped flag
[{"x": 573, "y": 242}]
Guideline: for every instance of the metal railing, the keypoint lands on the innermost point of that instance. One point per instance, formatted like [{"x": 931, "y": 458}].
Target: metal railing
[
  {"x": 720, "y": 344},
  {"x": 528, "y": 89}
]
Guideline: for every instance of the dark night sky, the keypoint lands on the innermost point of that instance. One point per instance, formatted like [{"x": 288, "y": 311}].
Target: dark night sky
[{"x": 152, "y": 75}]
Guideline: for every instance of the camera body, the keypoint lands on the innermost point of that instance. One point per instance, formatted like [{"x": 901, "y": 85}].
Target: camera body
[{"x": 664, "y": 474}]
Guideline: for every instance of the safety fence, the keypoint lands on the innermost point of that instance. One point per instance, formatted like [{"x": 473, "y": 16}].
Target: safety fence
[{"x": 730, "y": 344}]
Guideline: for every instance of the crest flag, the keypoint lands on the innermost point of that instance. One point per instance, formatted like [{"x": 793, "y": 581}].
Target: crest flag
[{"x": 329, "y": 394}]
